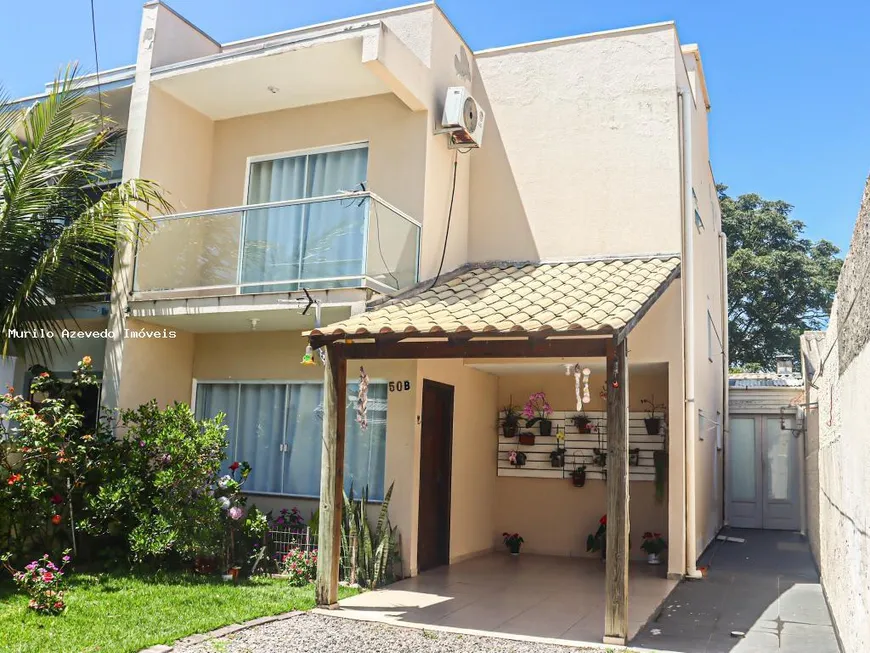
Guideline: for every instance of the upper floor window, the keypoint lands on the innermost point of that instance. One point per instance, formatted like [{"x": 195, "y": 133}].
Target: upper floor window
[
  {"x": 699, "y": 222},
  {"x": 321, "y": 241}
]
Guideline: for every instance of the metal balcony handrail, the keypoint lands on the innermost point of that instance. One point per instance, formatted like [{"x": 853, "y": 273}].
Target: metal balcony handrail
[{"x": 347, "y": 195}]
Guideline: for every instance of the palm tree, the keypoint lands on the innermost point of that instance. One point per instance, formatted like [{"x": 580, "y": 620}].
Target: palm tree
[{"x": 56, "y": 233}]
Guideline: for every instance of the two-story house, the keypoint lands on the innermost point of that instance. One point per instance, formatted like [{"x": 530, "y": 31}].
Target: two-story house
[{"x": 576, "y": 252}]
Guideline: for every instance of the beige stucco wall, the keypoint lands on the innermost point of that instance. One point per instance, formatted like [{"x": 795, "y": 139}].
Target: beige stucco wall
[
  {"x": 472, "y": 495},
  {"x": 554, "y": 517},
  {"x": 709, "y": 353},
  {"x": 276, "y": 355},
  {"x": 159, "y": 368},
  {"x": 581, "y": 141}
]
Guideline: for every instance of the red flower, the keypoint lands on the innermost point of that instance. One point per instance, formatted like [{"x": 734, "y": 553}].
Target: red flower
[
  {"x": 13, "y": 479},
  {"x": 47, "y": 577},
  {"x": 55, "y": 519},
  {"x": 603, "y": 520},
  {"x": 235, "y": 466},
  {"x": 44, "y": 375},
  {"x": 57, "y": 499}
]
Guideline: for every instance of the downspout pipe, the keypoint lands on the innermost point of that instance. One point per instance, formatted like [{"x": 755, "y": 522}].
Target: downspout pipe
[{"x": 689, "y": 351}]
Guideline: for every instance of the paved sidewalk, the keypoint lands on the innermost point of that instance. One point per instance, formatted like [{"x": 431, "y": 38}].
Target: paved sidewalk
[{"x": 766, "y": 587}]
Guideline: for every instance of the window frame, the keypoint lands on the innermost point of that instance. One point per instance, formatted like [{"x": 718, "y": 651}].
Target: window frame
[
  {"x": 275, "y": 156},
  {"x": 197, "y": 381}
]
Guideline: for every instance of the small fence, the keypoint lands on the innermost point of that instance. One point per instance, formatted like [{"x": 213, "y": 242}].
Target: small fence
[{"x": 281, "y": 540}]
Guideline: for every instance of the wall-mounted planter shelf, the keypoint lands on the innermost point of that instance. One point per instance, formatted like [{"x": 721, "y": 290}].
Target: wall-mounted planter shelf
[{"x": 579, "y": 449}]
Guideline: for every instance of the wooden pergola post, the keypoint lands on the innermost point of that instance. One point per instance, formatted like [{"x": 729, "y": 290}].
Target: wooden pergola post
[
  {"x": 616, "y": 572},
  {"x": 331, "y": 476}
]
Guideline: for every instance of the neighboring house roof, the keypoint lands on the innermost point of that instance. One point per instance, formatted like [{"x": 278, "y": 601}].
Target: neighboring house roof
[
  {"x": 584, "y": 296},
  {"x": 763, "y": 380}
]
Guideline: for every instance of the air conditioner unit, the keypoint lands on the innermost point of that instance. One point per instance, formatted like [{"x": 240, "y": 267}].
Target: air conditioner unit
[{"x": 463, "y": 118}]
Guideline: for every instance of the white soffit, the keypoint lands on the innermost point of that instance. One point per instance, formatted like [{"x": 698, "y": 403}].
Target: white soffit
[
  {"x": 310, "y": 74},
  {"x": 557, "y": 366}
]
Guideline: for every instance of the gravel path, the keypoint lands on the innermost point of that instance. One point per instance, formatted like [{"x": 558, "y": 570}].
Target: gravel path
[{"x": 315, "y": 633}]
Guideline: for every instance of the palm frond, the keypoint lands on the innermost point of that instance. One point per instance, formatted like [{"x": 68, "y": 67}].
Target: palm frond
[{"x": 58, "y": 229}]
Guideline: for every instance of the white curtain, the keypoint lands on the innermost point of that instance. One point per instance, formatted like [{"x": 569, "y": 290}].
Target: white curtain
[
  {"x": 273, "y": 237},
  {"x": 318, "y": 240},
  {"x": 334, "y": 239},
  {"x": 262, "y": 417}
]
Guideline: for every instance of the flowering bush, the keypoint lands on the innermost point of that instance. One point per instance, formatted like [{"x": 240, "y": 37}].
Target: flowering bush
[
  {"x": 537, "y": 408},
  {"x": 43, "y": 581},
  {"x": 51, "y": 458},
  {"x": 300, "y": 566},
  {"x": 288, "y": 519}
]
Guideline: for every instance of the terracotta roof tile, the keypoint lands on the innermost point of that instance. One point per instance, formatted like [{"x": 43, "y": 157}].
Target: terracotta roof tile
[{"x": 484, "y": 298}]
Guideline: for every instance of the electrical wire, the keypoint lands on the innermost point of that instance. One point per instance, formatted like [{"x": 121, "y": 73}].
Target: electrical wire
[
  {"x": 97, "y": 60},
  {"x": 449, "y": 217}
]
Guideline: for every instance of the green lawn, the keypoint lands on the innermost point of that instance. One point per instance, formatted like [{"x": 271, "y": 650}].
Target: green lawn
[{"x": 112, "y": 613}]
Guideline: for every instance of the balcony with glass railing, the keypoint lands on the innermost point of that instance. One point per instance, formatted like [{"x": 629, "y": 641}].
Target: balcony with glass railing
[{"x": 347, "y": 240}]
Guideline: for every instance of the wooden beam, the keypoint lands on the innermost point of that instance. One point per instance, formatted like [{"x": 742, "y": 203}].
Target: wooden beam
[
  {"x": 616, "y": 572},
  {"x": 331, "y": 477},
  {"x": 526, "y": 348}
]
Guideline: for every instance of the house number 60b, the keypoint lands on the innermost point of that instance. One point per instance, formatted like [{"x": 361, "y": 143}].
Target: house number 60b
[{"x": 399, "y": 386}]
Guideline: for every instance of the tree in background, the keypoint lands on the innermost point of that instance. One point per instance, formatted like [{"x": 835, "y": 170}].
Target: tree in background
[
  {"x": 779, "y": 283},
  {"x": 58, "y": 222}
]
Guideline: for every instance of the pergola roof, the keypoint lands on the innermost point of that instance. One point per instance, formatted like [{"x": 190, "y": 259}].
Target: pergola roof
[{"x": 591, "y": 297}]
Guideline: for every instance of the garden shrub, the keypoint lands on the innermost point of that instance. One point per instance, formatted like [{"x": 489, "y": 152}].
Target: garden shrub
[{"x": 160, "y": 491}]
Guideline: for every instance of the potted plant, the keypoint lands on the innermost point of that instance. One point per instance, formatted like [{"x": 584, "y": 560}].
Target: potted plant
[
  {"x": 527, "y": 437},
  {"x": 513, "y": 541},
  {"x": 583, "y": 423},
  {"x": 517, "y": 458},
  {"x": 653, "y": 544},
  {"x": 510, "y": 420},
  {"x": 599, "y": 457},
  {"x": 578, "y": 476},
  {"x": 557, "y": 455},
  {"x": 538, "y": 411},
  {"x": 597, "y": 541},
  {"x": 654, "y": 413}
]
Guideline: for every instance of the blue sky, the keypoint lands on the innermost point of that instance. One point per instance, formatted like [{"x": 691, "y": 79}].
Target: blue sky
[{"x": 791, "y": 104}]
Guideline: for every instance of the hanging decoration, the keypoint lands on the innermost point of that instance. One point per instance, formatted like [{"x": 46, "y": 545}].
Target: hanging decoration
[
  {"x": 308, "y": 356},
  {"x": 615, "y": 382},
  {"x": 362, "y": 400},
  {"x": 581, "y": 383},
  {"x": 586, "y": 397}
]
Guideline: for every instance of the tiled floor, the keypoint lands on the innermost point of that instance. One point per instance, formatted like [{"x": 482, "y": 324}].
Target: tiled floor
[
  {"x": 538, "y": 596},
  {"x": 766, "y": 587}
]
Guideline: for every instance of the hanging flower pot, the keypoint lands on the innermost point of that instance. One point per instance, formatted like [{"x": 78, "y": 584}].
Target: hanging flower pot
[
  {"x": 527, "y": 438},
  {"x": 583, "y": 423},
  {"x": 578, "y": 476},
  {"x": 510, "y": 430},
  {"x": 546, "y": 427},
  {"x": 517, "y": 458},
  {"x": 557, "y": 458},
  {"x": 653, "y": 425}
]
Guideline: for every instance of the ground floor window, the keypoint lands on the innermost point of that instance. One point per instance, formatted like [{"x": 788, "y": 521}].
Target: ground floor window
[{"x": 277, "y": 428}]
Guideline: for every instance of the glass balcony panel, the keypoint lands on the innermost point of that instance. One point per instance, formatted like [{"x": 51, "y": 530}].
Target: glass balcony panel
[
  {"x": 339, "y": 242},
  {"x": 195, "y": 256},
  {"x": 393, "y": 247}
]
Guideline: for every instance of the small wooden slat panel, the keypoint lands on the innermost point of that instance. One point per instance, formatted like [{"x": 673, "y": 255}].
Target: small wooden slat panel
[{"x": 578, "y": 448}]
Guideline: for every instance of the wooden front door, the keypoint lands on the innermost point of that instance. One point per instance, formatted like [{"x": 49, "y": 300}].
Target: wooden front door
[{"x": 436, "y": 444}]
